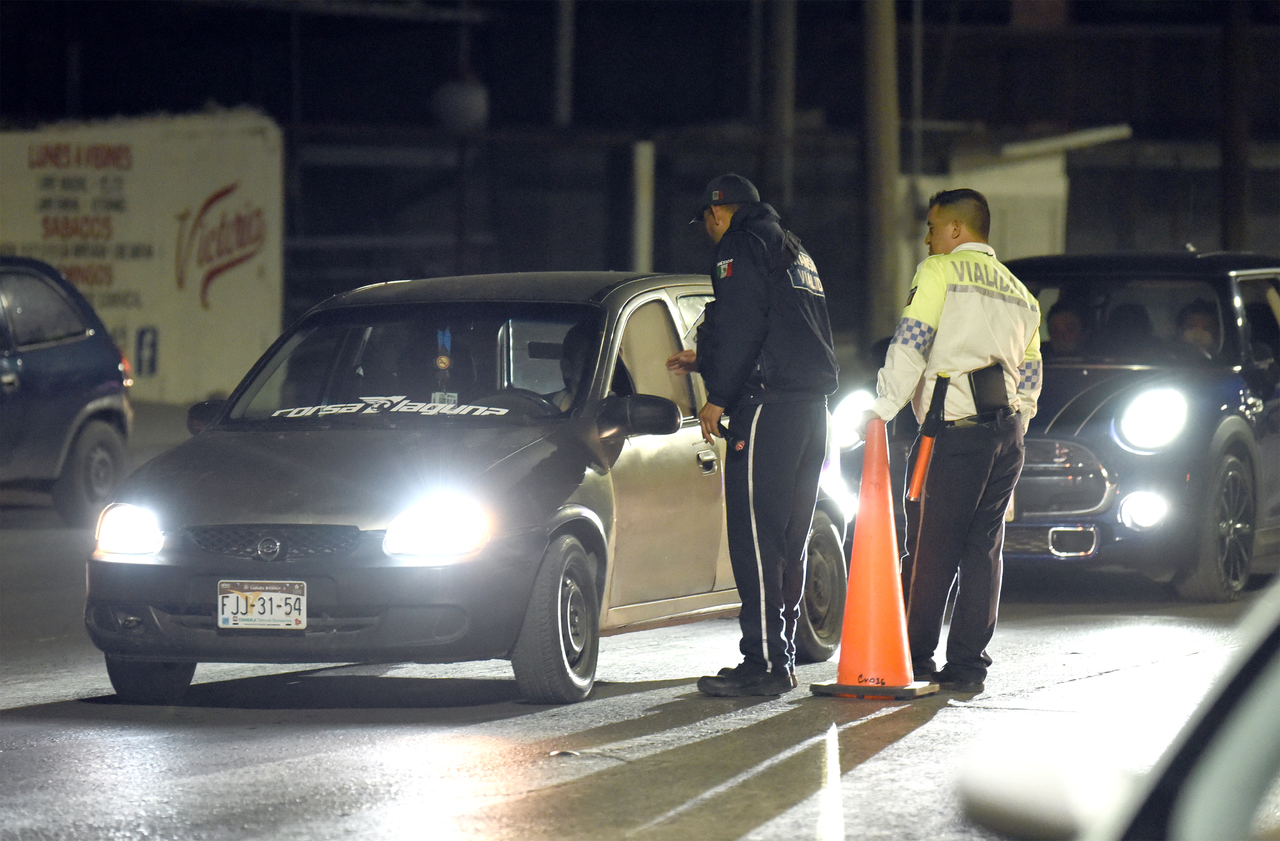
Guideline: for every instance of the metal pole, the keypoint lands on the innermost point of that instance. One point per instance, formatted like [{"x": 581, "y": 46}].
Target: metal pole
[
  {"x": 917, "y": 105},
  {"x": 782, "y": 109},
  {"x": 756, "y": 93},
  {"x": 643, "y": 154},
  {"x": 884, "y": 301},
  {"x": 1235, "y": 128},
  {"x": 564, "y": 64}
]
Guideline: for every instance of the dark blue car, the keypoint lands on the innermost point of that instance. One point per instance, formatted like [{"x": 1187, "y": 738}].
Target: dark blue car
[
  {"x": 1156, "y": 448},
  {"x": 64, "y": 405}
]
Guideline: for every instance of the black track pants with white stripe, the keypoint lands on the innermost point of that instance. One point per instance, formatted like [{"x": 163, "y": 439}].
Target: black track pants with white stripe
[{"x": 771, "y": 487}]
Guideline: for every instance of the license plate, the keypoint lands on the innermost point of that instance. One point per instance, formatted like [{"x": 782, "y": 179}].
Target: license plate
[{"x": 262, "y": 604}]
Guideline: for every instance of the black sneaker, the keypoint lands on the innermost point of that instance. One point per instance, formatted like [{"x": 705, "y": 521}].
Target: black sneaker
[
  {"x": 951, "y": 683},
  {"x": 740, "y": 683}
]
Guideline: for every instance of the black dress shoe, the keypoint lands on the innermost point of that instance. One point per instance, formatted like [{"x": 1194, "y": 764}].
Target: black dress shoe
[
  {"x": 739, "y": 683},
  {"x": 732, "y": 670},
  {"x": 951, "y": 683}
]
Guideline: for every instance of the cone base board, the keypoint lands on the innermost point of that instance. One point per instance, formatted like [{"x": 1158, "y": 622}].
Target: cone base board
[{"x": 918, "y": 689}]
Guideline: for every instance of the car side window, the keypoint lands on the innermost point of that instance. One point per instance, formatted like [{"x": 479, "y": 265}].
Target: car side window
[
  {"x": 648, "y": 340},
  {"x": 1261, "y": 299},
  {"x": 691, "y": 309},
  {"x": 38, "y": 311}
]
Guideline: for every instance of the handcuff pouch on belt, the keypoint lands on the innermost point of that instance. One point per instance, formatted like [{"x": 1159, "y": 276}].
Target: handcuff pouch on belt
[{"x": 987, "y": 387}]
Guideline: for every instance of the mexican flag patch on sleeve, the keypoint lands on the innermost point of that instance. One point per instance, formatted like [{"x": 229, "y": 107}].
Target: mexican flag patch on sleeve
[{"x": 724, "y": 269}]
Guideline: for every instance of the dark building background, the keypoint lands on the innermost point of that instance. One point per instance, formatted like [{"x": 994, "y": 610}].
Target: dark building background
[{"x": 379, "y": 189}]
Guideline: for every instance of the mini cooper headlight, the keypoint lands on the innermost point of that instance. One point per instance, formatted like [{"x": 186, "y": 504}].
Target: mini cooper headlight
[
  {"x": 443, "y": 524},
  {"x": 129, "y": 530},
  {"x": 1153, "y": 419},
  {"x": 844, "y": 419}
]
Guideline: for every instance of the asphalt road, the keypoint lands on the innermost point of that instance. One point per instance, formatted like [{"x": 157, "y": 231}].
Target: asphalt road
[{"x": 1108, "y": 667}]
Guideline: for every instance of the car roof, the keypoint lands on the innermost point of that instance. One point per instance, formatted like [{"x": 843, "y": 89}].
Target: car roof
[
  {"x": 1145, "y": 264},
  {"x": 518, "y": 286},
  {"x": 51, "y": 273}
]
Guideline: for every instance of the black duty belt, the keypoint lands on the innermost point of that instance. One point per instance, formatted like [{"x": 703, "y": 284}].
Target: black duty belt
[{"x": 979, "y": 420}]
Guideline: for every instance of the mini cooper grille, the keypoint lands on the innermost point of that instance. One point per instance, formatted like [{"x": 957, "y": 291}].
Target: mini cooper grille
[
  {"x": 276, "y": 543},
  {"x": 1060, "y": 477}
]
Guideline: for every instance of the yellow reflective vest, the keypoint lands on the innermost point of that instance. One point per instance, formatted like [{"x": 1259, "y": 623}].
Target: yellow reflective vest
[{"x": 965, "y": 311}]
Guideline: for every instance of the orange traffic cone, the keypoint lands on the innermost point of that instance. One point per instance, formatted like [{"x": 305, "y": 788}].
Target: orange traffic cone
[{"x": 875, "y": 661}]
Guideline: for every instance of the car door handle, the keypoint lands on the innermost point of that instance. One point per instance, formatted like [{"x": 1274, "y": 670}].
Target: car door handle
[
  {"x": 707, "y": 460},
  {"x": 9, "y": 381}
]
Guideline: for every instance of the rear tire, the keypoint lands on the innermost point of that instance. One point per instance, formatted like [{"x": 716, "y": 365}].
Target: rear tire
[
  {"x": 826, "y": 580},
  {"x": 555, "y": 656},
  {"x": 1224, "y": 555},
  {"x": 90, "y": 475},
  {"x": 145, "y": 682}
]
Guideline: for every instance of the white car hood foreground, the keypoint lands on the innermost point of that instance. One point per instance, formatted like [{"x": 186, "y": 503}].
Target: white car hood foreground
[{"x": 1208, "y": 783}]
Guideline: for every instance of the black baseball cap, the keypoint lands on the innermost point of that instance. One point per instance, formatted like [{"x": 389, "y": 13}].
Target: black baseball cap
[{"x": 726, "y": 189}]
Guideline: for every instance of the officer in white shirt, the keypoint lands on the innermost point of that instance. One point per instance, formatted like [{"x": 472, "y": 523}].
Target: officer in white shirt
[{"x": 966, "y": 316}]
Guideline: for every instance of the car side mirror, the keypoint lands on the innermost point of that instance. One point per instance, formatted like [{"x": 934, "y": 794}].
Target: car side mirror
[
  {"x": 202, "y": 414},
  {"x": 638, "y": 414}
]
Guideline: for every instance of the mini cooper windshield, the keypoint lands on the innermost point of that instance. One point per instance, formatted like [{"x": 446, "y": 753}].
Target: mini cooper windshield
[
  {"x": 490, "y": 361},
  {"x": 1157, "y": 321}
]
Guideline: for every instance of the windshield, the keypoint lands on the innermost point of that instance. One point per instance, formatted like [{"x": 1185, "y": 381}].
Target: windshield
[
  {"x": 502, "y": 362},
  {"x": 1131, "y": 321}
]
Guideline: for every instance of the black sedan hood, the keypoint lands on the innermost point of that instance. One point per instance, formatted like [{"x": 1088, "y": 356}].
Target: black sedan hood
[{"x": 361, "y": 477}]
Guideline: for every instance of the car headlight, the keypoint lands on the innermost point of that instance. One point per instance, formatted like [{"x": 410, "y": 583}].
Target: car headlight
[
  {"x": 1153, "y": 419},
  {"x": 844, "y": 420},
  {"x": 441, "y": 525},
  {"x": 129, "y": 530}
]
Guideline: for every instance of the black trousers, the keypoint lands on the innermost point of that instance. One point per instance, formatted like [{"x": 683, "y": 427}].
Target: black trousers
[
  {"x": 771, "y": 488},
  {"x": 955, "y": 535}
]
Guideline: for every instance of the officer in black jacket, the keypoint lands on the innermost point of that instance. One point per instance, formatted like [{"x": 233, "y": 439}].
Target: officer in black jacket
[{"x": 764, "y": 350}]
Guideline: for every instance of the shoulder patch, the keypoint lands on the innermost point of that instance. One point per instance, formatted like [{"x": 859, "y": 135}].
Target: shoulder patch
[{"x": 724, "y": 269}]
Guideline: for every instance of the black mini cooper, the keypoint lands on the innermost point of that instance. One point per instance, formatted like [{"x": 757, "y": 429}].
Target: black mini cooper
[
  {"x": 1157, "y": 443},
  {"x": 440, "y": 470},
  {"x": 1156, "y": 447}
]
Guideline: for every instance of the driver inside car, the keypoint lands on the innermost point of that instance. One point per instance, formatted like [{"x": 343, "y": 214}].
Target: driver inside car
[
  {"x": 1197, "y": 325},
  {"x": 574, "y": 353}
]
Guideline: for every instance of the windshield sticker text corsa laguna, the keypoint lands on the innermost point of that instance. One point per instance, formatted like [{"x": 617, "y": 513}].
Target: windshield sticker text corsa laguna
[{"x": 375, "y": 405}]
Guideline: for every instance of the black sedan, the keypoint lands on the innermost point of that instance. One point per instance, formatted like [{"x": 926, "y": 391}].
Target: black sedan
[
  {"x": 1156, "y": 448},
  {"x": 435, "y": 471}
]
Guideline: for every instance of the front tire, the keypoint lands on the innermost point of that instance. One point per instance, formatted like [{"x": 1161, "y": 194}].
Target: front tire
[
  {"x": 555, "y": 655},
  {"x": 826, "y": 580},
  {"x": 1224, "y": 555},
  {"x": 145, "y": 682},
  {"x": 90, "y": 475}
]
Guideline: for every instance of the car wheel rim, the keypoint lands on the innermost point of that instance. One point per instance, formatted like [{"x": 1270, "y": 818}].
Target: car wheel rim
[
  {"x": 573, "y": 625},
  {"x": 1235, "y": 530},
  {"x": 820, "y": 588},
  {"x": 99, "y": 473}
]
